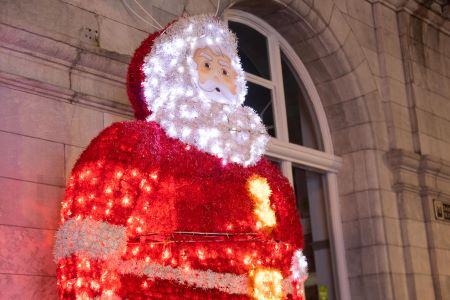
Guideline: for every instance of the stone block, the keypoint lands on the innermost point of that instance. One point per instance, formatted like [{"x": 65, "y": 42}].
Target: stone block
[
  {"x": 26, "y": 251},
  {"x": 375, "y": 260},
  {"x": 424, "y": 288},
  {"x": 435, "y": 61},
  {"x": 403, "y": 139},
  {"x": 418, "y": 261},
  {"x": 347, "y": 114},
  {"x": 29, "y": 204},
  {"x": 414, "y": 233},
  {"x": 442, "y": 257},
  {"x": 394, "y": 67},
  {"x": 372, "y": 232},
  {"x": 48, "y": 119},
  {"x": 393, "y": 232},
  {"x": 117, "y": 11},
  {"x": 35, "y": 68},
  {"x": 377, "y": 286},
  {"x": 428, "y": 124},
  {"x": 311, "y": 49},
  {"x": 99, "y": 87},
  {"x": 346, "y": 176},
  {"x": 195, "y": 7},
  {"x": 109, "y": 119},
  {"x": 440, "y": 235},
  {"x": 430, "y": 145},
  {"x": 444, "y": 284},
  {"x": 410, "y": 204},
  {"x": 360, "y": 10},
  {"x": 357, "y": 83},
  {"x": 71, "y": 154},
  {"x": 391, "y": 43},
  {"x": 374, "y": 107},
  {"x": 353, "y": 139},
  {"x": 120, "y": 38},
  {"x": 389, "y": 18},
  {"x": 324, "y": 10},
  {"x": 349, "y": 208},
  {"x": 352, "y": 235},
  {"x": 49, "y": 18},
  {"x": 354, "y": 262},
  {"x": 336, "y": 64},
  {"x": 360, "y": 171},
  {"x": 31, "y": 159},
  {"x": 399, "y": 282},
  {"x": 302, "y": 8},
  {"x": 396, "y": 258},
  {"x": 356, "y": 288},
  {"x": 364, "y": 33},
  {"x": 389, "y": 204},
  {"x": 19, "y": 286},
  {"x": 400, "y": 116},
  {"x": 397, "y": 92},
  {"x": 339, "y": 26},
  {"x": 373, "y": 61}
]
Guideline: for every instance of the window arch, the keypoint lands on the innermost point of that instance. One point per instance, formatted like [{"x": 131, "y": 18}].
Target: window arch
[{"x": 283, "y": 93}]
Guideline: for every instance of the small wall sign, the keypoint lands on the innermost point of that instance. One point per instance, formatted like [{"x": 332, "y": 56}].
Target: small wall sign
[{"x": 441, "y": 210}]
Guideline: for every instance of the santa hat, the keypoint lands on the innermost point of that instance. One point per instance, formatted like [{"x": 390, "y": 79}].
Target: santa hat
[
  {"x": 201, "y": 29},
  {"x": 136, "y": 76}
]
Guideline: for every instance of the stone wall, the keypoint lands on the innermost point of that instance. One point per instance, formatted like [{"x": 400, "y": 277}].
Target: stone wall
[{"x": 382, "y": 70}]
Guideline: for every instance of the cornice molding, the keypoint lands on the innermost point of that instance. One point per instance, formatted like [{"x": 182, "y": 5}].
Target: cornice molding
[
  {"x": 108, "y": 67},
  {"x": 427, "y": 13}
]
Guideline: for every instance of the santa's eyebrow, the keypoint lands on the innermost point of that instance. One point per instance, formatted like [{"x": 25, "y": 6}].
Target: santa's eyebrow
[
  {"x": 224, "y": 63},
  {"x": 206, "y": 55}
]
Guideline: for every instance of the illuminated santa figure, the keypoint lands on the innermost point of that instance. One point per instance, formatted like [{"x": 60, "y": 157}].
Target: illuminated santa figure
[{"x": 181, "y": 204}]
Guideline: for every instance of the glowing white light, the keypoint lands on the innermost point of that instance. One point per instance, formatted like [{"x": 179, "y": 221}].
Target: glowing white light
[{"x": 182, "y": 109}]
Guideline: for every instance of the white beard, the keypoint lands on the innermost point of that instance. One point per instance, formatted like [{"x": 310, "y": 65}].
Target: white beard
[{"x": 234, "y": 134}]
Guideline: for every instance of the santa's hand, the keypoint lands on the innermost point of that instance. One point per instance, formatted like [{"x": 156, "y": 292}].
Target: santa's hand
[{"x": 299, "y": 269}]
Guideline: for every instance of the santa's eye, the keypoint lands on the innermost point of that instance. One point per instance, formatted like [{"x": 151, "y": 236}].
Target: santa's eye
[
  {"x": 207, "y": 65},
  {"x": 224, "y": 72}
]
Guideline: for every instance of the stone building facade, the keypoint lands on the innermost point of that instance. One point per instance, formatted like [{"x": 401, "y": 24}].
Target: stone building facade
[{"x": 381, "y": 69}]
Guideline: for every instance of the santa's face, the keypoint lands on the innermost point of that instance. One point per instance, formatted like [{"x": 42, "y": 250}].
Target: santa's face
[{"x": 216, "y": 75}]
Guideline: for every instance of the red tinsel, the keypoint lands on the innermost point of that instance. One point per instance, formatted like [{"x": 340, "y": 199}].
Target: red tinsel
[{"x": 134, "y": 175}]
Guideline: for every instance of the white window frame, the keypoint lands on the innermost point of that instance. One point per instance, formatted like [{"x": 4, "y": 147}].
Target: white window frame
[{"x": 325, "y": 161}]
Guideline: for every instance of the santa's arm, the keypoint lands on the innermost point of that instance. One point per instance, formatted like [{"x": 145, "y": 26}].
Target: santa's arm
[
  {"x": 101, "y": 194},
  {"x": 286, "y": 226}
]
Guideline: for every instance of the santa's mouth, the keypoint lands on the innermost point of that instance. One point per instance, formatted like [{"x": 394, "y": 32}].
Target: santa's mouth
[{"x": 217, "y": 89}]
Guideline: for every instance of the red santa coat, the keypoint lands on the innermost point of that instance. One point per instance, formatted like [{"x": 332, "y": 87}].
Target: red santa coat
[{"x": 146, "y": 216}]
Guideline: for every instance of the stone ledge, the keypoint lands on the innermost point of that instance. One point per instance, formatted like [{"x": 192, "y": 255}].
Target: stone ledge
[
  {"x": 420, "y": 173},
  {"x": 428, "y": 15},
  {"x": 108, "y": 68}
]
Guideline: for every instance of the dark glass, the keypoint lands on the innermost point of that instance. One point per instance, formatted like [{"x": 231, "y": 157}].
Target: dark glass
[
  {"x": 300, "y": 116},
  {"x": 260, "y": 99},
  {"x": 252, "y": 49},
  {"x": 309, "y": 190}
]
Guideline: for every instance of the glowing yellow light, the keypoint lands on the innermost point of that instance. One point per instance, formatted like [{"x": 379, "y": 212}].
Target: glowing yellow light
[
  {"x": 267, "y": 284},
  {"x": 260, "y": 192}
]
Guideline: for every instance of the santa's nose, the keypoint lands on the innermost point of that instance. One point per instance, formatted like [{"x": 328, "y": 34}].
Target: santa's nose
[{"x": 217, "y": 89}]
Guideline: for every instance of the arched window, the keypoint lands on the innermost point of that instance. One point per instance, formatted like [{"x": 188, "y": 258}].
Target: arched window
[{"x": 282, "y": 92}]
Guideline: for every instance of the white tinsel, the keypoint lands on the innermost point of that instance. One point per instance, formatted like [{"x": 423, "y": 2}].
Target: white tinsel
[
  {"x": 299, "y": 266},
  {"x": 94, "y": 239},
  {"x": 222, "y": 128},
  {"x": 226, "y": 282}
]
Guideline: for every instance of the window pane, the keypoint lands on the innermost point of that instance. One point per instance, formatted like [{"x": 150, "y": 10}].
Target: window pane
[
  {"x": 252, "y": 49},
  {"x": 309, "y": 190},
  {"x": 260, "y": 99},
  {"x": 301, "y": 121}
]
